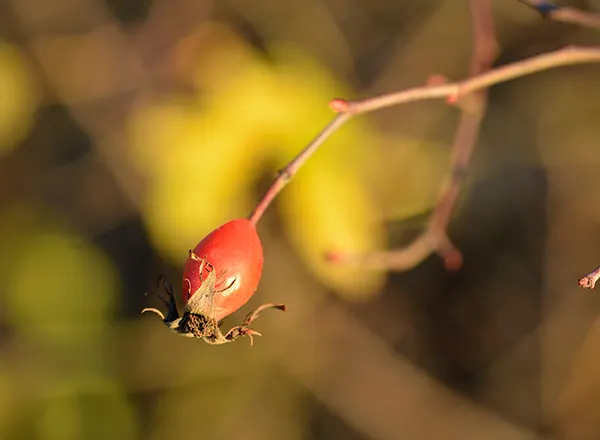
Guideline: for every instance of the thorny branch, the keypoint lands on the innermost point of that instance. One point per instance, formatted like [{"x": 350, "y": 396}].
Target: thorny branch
[{"x": 564, "y": 14}]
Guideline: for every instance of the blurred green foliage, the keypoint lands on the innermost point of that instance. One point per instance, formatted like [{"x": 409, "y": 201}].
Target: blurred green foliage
[
  {"x": 139, "y": 155},
  {"x": 18, "y": 97},
  {"x": 203, "y": 157},
  {"x": 91, "y": 408}
]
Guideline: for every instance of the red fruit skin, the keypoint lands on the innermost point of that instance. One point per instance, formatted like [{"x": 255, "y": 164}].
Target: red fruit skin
[{"x": 235, "y": 249}]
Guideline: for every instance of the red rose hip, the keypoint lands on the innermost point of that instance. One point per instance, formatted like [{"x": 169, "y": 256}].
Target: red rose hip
[
  {"x": 235, "y": 253},
  {"x": 221, "y": 274}
]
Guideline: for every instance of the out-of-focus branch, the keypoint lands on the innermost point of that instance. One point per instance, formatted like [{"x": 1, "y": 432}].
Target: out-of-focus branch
[
  {"x": 473, "y": 110},
  {"x": 360, "y": 378},
  {"x": 132, "y": 62},
  {"x": 589, "y": 281},
  {"x": 452, "y": 91},
  {"x": 473, "y": 107},
  {"x": 379, "y": 388},
  {"x": 564, "y": 14}
]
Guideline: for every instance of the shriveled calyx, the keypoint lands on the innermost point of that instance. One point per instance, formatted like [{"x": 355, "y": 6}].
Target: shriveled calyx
[{"x": 198, "y": 319}]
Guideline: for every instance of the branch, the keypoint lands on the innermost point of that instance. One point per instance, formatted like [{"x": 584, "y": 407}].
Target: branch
[
  {"x": 567, "y": 56},
  {"x": 564, "y": 14},
  {"x": 589, "y": 281},
  {"x": 484, "y": 53},
  {"x": 287, "y": 173},
  {"x": 473, "y": 107},
  {"x": 452, "y": 91}
]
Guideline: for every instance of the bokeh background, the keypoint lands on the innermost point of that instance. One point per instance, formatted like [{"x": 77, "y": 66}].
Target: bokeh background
[{"x": 129, "y": 129}]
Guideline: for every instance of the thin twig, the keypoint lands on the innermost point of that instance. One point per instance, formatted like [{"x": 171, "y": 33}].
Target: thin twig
[
  {"x": 473, "y": 107},
  {"x": 567, "y": 56},
  {"x": 453, "y": 91},
  {"x": 287, "y": 173},
  {"x": 589, "y": 281},
  {"x": 564, "y": 14},
  {"x": 484, "y": 53}
]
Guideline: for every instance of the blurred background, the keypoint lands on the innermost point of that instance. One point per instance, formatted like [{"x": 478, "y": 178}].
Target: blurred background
[{"x": 129, "y": 129}]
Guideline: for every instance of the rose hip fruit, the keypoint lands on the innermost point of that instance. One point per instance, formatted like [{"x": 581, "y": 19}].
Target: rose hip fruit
[
  {"x": 235, "y": 251},
  {"x": 221, "y": 274}
]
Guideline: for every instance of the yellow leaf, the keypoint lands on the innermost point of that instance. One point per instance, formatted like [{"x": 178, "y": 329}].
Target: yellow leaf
[
  {"x": 328, "y": 206},
  {"x": 61, "y": 290},
  {"x": 327, "y": 209}
]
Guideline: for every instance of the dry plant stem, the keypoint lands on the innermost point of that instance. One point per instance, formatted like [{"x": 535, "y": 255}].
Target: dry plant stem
[
  {"x": 567, "y": 56},
  {"x": 484, "y": 53},
  {"x": 564, "y": 14},
  {"x": 589, "y": 281},
  {"x": 286, "y": 174},
  {"x": 473, "y": 106},
  {"x": 562, "y": 57}
]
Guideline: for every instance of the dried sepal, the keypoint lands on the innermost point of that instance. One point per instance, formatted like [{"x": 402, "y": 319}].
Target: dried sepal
[{"x": 198, "y": 319}]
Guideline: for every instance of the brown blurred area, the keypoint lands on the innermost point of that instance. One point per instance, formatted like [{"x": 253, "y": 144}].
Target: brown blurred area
[{"x": 92, "y": 210}]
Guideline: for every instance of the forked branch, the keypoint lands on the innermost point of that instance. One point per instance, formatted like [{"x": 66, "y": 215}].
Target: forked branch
[
  {"x": 568, "y": 56},
  {"x": 473, "y": 107},
  {"x": 470, "y": 96}
]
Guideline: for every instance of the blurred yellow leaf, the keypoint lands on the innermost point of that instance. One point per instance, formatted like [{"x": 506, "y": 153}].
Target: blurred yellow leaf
[
  {"x": 18, "y": 97},
  {"x": 61, "y": 290},
  {"x": 201, "y": 178},
  {"x": 328, "y": 205},
  {"x": 202, "y": 159},
  {"x": 328, "y": 209}
]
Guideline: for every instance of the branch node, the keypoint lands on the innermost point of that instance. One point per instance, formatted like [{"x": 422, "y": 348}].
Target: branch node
[
  {"x": 285, "y": 175},
  {"x": 339, "y": 105}
]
